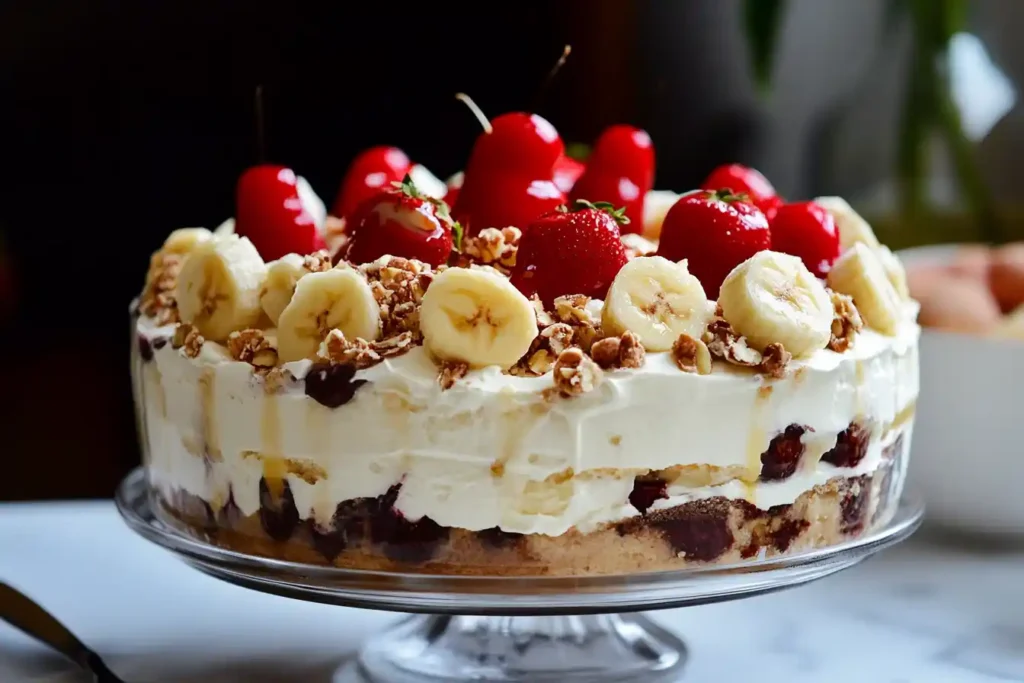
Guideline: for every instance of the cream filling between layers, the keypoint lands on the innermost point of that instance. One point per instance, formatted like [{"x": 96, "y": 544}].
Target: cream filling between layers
[{"x": 491, "y": 451}]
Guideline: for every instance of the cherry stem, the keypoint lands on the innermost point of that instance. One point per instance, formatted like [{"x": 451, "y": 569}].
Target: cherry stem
[
  {"x": 551, "y": 76},
  {"x": 477, "y": 111},
  {"x": 261, "y": 134}
]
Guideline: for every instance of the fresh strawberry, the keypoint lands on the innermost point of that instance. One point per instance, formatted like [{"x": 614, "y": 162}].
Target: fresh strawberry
[
  {"x": 807, "y": 230},
  {"x": 372, "y": 171},
  {"x": 570, "y": 251},
  {"x": 743, "y": 180},
  {"x": 715, "y": 232},
  {"x": 567, "y": 172},
  {"x": 508, "y": 177},
  {"x": 621, "y": 172},
  {"x": 270, "y": 211},
  {"x": 401, "y": 221}
]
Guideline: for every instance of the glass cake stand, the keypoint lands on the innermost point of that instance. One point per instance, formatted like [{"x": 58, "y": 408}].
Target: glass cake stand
[{"x": 544, "y": 629}]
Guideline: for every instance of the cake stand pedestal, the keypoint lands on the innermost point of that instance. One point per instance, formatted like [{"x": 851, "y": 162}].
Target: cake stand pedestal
[{"x": 543, "y": 629}]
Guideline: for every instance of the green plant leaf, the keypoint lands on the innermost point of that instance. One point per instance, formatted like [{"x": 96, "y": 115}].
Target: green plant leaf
[{"x": 761, "y": 21}]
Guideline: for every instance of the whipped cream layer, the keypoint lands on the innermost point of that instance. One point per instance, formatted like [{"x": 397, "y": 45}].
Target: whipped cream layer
[{"x": 492, "y": 451}]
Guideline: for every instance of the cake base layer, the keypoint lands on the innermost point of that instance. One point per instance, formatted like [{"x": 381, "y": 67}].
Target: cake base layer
[{"x": 369, "y": 534}]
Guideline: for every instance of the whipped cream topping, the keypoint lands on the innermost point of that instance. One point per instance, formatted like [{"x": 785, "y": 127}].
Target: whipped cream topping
[{"x": 492, "y": 451}]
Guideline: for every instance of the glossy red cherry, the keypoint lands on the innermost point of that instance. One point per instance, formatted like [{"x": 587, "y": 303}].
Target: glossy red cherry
[
  {"x": 508, "y": 176},
  {"x": 567, "y": 171},
  {"x": 742, "y": 180},
  {"x": 570, "y": 252},
  {"x": 401, "y": 221},
  {"x": 620, "y": 172},
  {"x": 372, "y": 171},
  {"x": 807, "y": 230},
  {"x": 270, "y": 212},
  {"x": 715, "y": 232}
]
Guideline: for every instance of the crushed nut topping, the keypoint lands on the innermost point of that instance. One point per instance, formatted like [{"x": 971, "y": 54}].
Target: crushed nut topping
[
  {"x": 571, "y": 325},
  {"x": 543, "y": 317},
  {"x": 450, "y": 372},
  {"x": 846, "y": 322},
  {"x": 317, "y": 262},
  {"x": 625, "y": 351},
  {"x": 691, "y": 355},
  {"x": 546, "y": 346},
  {"x": 774, "y": 361},
  {"x": 253, "y": 347},
  {"x": 575, "y": 373},
  {"x": 187, "y": 337},
  {"x": 398, "y": 285},
  {"x": 276, "y": 379},
  {"x": 158, "y": 300},
  {"x": 361, "y": 353},
  {"x": 572, "y": 309},
  {"x": 491, "y": 247},
  {"x": 723, "y": 342}
]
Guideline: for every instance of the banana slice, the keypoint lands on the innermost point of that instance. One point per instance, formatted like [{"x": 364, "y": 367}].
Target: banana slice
[
  {"x": 225, "y": 228},
  {"x": 657, "y": 300},
  {"x": 772, "y": 298},
  {"x": 478, "y": 317},
  {"x": 852, "y": 227},
  {"x": 277, "y": 290},
  {"x": 656, "y": 206},
  {"x": 218, "y": 288},
  {"x": 859, "y": 273},
  {"x": 894, "y": 270},
  {"x": 184, "y": 240},
  {"x": 340, "y": 299}
]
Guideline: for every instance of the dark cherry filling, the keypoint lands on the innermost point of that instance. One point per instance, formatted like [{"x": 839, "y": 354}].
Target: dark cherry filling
[
  {"x": 332, "y": 385},
  {"x": 783, "y": 455},
  {"x": 159, "y": 343},
  {"x": 401, "y": 539},
  {"x": 645, "y": 492},
  {"x": 787, "y": 532},
  {"x": 496, "y": 538},
  {"x": 851, "y": 447},
  {"x": 278, "y": 517},
  {"x": 145, "y": 349},
  {"x": 854, "y": 505},
  {"x": 701, "y": 537}
]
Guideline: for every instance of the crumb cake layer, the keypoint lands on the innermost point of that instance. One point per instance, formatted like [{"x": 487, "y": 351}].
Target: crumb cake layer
[{"x": 369, "y": 533}]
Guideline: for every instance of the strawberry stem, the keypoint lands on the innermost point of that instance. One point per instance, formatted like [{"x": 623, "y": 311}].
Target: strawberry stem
[
  {"x": 618, "y": 214},
  {"x": 477, "y": 111},
  {"x": 725, "y": 194}
]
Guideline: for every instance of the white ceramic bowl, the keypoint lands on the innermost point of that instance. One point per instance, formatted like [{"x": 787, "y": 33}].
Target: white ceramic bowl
[{"x": 968, "y": 445}]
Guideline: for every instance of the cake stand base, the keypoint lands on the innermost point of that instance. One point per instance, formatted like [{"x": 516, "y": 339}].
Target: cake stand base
[{"x": 605, "y": 648}]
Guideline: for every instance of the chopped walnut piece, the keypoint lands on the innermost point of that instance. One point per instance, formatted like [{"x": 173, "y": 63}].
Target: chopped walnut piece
[
  {"x": 558, "y": 337},
  {"x": 398, "y": 285},
  {"x": 276, "y": 379},
  {"x": 540, "y": 362},
  {"x": 157, "y": 299},
  {"x": 543, "y": 317},
  {"x": 774, "y": 360},
  {"x": 361, "y": 353},
  {"x": 450, "y": 372},
  {"x": 491, "y": 247},
  {"x": 692, "y": 355},
  {"x": 572, "y": 309},
  {"x": 575, "y": 373},
  {"x": 317, "y": 262},
  {"x": 618, "y": 352},
  {"x": 846, "y": 322},
  {"x": 723, "y": 342},
  {"x": 187, "y": 337},
  {"x": 253, "y": 347}
]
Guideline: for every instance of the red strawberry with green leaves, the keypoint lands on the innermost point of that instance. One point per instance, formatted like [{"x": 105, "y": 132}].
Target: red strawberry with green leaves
[
  {"x": 402, "y": 221},
  {"x": 369, "y": 173},
  {"x": 572, "y": 250},
  {"x": 744, "y": 180},
  {"x": 714, "y": 231}
]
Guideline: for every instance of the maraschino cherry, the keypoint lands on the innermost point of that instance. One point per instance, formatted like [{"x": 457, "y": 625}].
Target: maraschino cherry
[
  {"x": 620, "y": 172},
  {"x": 508, "y": 177},
  {"x": 402, "y": 221},
  {"x": 744, "y": 180},
  {"x": 371, "y": 172},
  {"x": 271, "y": 213},
  {"x": 807, "y": 230},
  {"x": 567, "y": 172}
]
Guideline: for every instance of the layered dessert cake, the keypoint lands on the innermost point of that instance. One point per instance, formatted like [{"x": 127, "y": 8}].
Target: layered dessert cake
[{"x": 549, "y": 368}]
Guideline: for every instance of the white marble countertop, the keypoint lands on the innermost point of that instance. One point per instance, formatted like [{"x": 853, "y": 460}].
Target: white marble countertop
[{"x": 926, "y": 612}]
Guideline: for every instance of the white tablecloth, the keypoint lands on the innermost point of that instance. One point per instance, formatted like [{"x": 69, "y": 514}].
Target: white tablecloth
[{"x": 926, "y": 612}]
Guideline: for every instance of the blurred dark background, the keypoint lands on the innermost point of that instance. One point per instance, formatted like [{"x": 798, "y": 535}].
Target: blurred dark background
[{"x": 121, "y": 121}]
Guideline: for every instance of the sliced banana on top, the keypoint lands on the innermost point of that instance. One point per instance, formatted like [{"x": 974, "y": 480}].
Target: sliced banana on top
[
  {"x": 859, "y": 273},
  {"x": 773, "y": 298},
  {"x": 477, "y": 316},
  {"x": 657, "y": 300},
  {"x": 184, "y": 240},
  {"x": 894, "y": 270},
  {"x": 225, "y": 228},
  {"x": 340, "y": 299},
  {"x": 656, "y": 206},
  {"x": 218, "y": 289},
  {"x": 851, "y": 226},
  {"x": 277, "y": 290}
]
